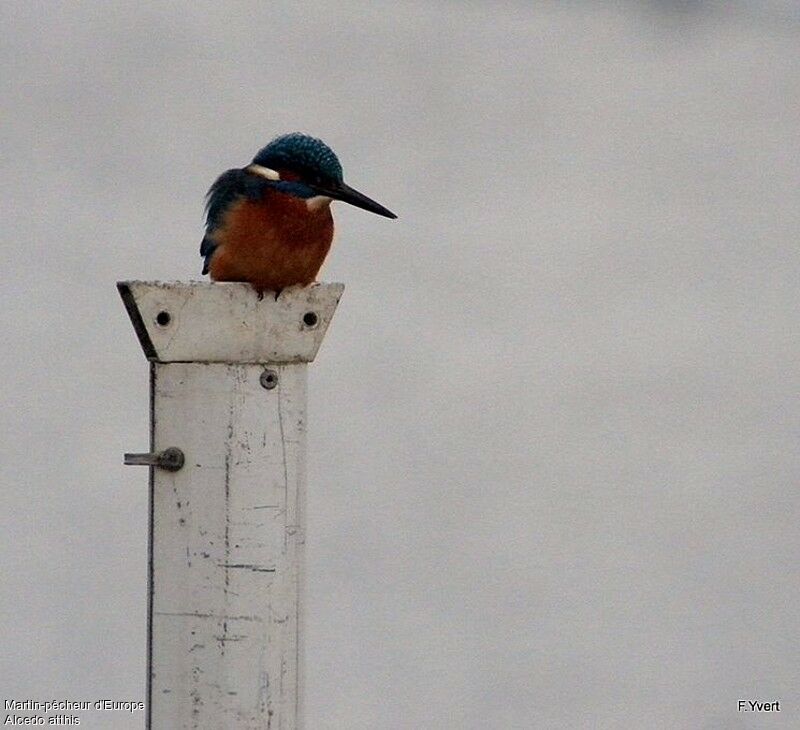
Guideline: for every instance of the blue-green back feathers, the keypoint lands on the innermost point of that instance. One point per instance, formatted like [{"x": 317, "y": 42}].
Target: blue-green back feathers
[{"x": 227, "y": 189}]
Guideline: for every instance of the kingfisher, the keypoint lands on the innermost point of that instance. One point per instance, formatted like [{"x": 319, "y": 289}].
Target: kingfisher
[{"x": 270, "y": 223}]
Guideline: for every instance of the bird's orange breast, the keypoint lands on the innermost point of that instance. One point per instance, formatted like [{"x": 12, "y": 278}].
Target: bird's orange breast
[{"x": 272, "y": 243}]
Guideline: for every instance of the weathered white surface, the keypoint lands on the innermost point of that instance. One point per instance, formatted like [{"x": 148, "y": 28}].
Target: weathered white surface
[
  {"x": 227, "y": 530},
  {"x": 227, "y": 547},
  {"x": 227, "y": 322}
]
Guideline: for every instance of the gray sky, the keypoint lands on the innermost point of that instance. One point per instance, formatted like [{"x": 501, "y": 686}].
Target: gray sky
[{"x": 553, "y": 471}]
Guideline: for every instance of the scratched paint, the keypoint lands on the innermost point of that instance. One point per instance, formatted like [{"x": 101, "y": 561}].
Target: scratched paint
[
  {"x": 228, "y": 529},
  {"x": 226, "y": 322},
  {"x": 227, "y": 547}
]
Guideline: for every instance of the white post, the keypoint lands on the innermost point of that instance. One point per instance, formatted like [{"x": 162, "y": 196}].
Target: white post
[{"x": 228, "y": 394}]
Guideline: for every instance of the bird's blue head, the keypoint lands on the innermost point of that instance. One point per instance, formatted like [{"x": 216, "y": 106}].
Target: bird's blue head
[
  {"x": 301, "y": 154},
  {"x": 305, "y": 167}
]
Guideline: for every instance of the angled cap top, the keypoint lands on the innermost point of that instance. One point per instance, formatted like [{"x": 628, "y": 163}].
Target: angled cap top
[{"x": 227, "y": 322}]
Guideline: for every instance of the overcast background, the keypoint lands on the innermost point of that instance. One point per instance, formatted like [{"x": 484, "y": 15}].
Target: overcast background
[{"x": 553, "y": 476}]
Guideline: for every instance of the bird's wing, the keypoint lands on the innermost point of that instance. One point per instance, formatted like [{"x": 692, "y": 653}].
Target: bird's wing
[{"x": 227, "y": 188}]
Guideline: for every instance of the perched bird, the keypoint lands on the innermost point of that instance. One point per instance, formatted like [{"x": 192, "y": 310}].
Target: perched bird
[{"x": 270, "y": 223}]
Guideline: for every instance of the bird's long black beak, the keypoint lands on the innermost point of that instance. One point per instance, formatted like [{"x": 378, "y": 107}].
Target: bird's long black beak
[{"x": 340, "y": 191}]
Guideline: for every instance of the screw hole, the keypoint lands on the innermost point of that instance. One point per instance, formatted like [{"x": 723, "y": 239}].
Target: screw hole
[
  {"x": 269, "y": 379},
  {"x": 310, "y": 319},
  {"x": 163, "y": 318}
]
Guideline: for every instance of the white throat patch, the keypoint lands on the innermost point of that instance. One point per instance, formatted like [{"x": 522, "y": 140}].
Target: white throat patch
[{"x": 317, "y": 202}]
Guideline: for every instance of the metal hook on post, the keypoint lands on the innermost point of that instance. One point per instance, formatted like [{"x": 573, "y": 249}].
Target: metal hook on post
[{"x": 171, "y": 459}]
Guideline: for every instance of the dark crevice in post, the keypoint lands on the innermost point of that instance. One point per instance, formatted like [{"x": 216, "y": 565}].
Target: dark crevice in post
[{"x": 136, "y": 318}]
